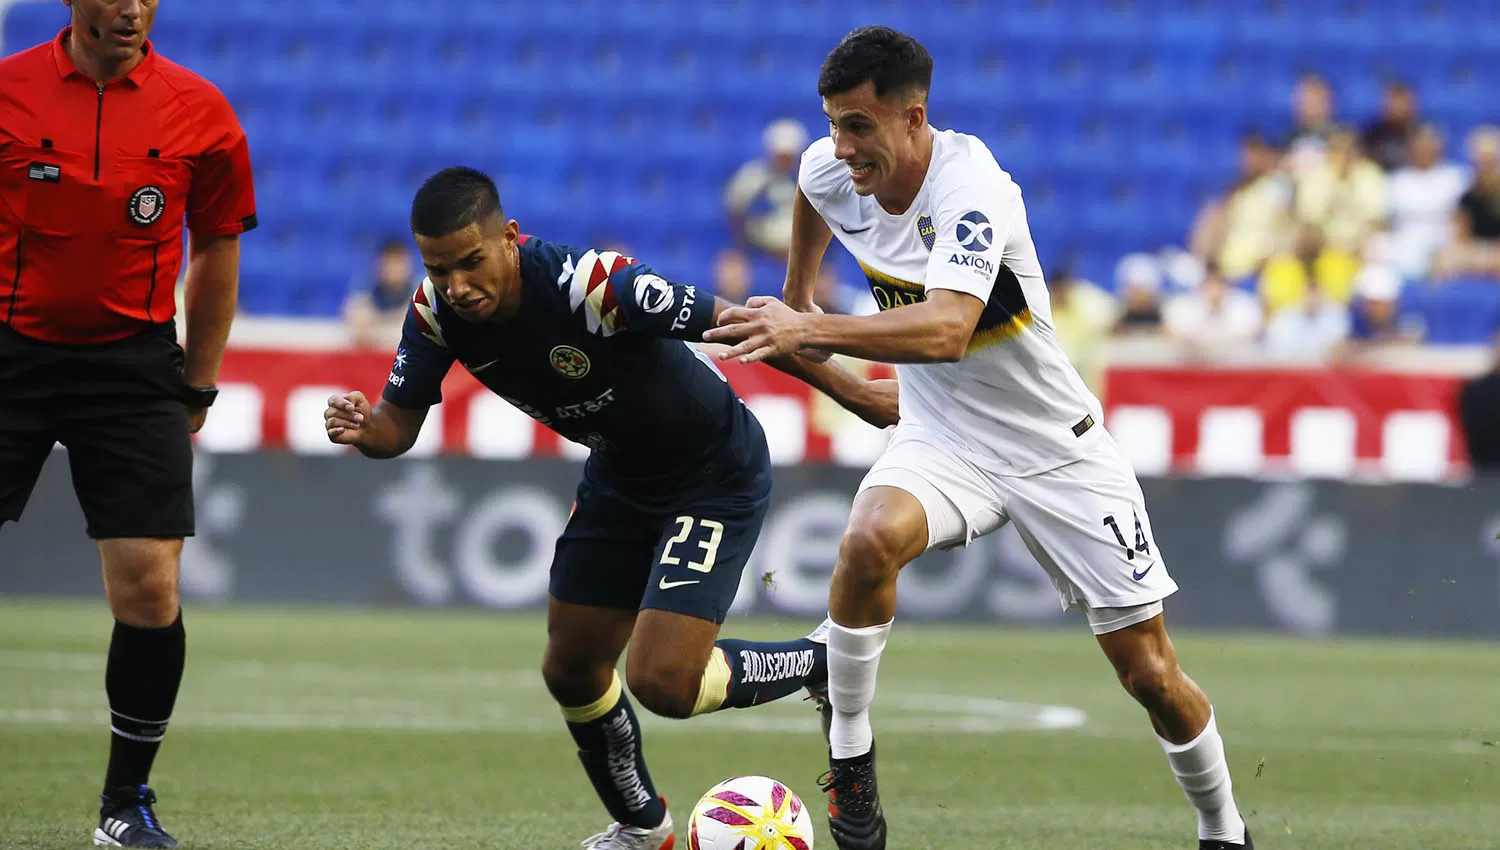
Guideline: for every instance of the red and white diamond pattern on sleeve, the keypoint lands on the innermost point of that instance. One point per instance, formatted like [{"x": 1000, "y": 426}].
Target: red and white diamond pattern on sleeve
[
  {"x": 425, "y": 301},
  {"x": 590, "y": 287}
]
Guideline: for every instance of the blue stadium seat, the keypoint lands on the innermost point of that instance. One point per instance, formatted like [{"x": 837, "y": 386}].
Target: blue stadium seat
[
  {"x": 1464, "y": 311},
  {"x": 622, "y": 120}
]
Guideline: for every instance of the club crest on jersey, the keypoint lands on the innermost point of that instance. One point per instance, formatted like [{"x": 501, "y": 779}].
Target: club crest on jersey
[
  {"x": 974, "y": 231},
  {"x": 927, "y": 231},
  {"x": 569, "y": 362},
  {"x": 146, "y": 205}
]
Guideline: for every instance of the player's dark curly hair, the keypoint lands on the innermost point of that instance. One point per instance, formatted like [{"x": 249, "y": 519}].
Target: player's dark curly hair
[
  {"x": 453, "y": 199},
  {"x": 894, "y": 61}
]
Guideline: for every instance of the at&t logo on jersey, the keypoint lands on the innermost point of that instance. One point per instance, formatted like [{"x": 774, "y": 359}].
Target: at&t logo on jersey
[{"x": 974, "y": 231}]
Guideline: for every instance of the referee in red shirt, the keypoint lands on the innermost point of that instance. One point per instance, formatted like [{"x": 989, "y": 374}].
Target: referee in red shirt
[{"x": 106, "y": 148}]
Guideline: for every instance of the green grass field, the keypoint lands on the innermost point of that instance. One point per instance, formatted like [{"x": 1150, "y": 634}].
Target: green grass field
[{"x": 317, "y": 728}]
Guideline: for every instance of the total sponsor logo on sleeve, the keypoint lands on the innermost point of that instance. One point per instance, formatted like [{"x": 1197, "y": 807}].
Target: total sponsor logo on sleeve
[{"x": 689, "y": 298}]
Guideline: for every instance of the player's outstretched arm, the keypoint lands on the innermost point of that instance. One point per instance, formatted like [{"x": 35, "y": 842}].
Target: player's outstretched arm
[
  {"x": 933, "y": 331},
  {"x": 384, "y": 431},
  {"x": 810, "y": 238},
  {"x": 876, "y": 402}
]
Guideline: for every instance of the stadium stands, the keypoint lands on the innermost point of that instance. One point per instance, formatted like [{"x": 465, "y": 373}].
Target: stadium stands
[{"x": 622, "y": 120}]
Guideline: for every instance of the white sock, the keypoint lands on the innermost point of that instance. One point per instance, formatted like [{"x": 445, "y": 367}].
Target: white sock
[
  {"x": 1203, "y": 773},
  {"x": 853, "y": 658}
]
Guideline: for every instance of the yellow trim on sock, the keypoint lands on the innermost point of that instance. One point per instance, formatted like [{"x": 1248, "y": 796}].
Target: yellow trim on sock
[
  {"x": 599, "y": 707},
  {"x": 714, "y": 688}
]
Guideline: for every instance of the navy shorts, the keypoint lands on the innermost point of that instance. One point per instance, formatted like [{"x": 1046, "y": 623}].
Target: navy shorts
[{"x": 617, "y": 552}]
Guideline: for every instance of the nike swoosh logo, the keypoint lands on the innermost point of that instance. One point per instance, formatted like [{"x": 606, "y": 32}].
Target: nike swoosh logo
[
  {"x": 1142, "y": 574},
  {"x": 483, "y": 367},
  {"x": 668, "y": 585},
  {"x": 852, "y": 232}
]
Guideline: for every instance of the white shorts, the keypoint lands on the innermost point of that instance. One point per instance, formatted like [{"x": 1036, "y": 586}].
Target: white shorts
[{"x": 1084, "y": 522}]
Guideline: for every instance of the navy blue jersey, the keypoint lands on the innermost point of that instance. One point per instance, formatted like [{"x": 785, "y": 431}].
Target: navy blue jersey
[{"x": 596, "y": 353}]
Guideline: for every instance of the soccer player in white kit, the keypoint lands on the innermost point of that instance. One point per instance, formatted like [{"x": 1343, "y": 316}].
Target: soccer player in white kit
[{"x": 996, "y": 426}]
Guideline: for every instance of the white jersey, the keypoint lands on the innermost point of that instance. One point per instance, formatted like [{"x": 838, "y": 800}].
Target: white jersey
[{"x": 1013, "y": 404}]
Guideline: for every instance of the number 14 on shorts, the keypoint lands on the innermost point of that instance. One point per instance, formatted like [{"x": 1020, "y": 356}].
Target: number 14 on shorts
[{"x": 1140, "y": 537}]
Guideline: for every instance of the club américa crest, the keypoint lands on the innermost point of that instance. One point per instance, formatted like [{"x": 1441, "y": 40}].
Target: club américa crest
[{"x": 569, "y": 361}]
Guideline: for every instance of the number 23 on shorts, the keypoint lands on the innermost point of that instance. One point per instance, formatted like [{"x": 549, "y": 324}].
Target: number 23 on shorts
[{"x": 712, "y": 532}]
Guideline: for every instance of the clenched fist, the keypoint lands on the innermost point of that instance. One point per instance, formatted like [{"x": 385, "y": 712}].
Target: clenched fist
[{"x": 346, "y": 416}]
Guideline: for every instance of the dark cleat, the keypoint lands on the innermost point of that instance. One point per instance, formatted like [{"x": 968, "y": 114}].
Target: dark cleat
[
  {"x": 126, "y": 819},
  {"x": 1211, "y": 844},
  {"x": 854, "y": 815}
]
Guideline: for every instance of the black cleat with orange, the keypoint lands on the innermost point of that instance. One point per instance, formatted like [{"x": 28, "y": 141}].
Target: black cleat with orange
[{"x": 854, "y": 815}]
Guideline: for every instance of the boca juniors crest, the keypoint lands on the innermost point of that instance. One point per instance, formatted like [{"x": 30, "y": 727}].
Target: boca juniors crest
[
  {"x": 146, "y": 205},
  {"x": 927, "y": 231}
]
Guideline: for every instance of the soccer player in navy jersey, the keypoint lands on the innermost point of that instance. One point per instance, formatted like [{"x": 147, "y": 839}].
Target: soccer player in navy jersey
[{"x": 595, "y": 345}]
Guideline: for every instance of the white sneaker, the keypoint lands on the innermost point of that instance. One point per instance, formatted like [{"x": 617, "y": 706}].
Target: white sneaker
[{"x": 622, "y": 837}]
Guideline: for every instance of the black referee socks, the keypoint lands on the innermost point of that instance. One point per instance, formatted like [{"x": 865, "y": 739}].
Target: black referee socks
[{"x": 141, "y": 679}]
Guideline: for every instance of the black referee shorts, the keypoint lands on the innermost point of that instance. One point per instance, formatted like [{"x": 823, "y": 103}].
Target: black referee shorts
[{"x": 118, "y": 409}]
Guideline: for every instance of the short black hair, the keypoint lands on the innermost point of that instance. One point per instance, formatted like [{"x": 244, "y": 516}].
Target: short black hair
[
  {"x": 893, "y": 61},
  {"x": 453, "y": 199},
  {"x": 392, "y": 245}
]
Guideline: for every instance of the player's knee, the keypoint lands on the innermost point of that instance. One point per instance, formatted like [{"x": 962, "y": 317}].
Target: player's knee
[
  {"x": 572, "y": 682},
  {"x": 871, "y": 552},
  {"x": 663, "y": 690},
  {"x": 143, "y": 585},
  {"x": 1151, "y": 679}
]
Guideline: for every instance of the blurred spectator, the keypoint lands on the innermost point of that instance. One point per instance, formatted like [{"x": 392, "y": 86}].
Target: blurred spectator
[
  {"x": 1310, "y": 331},
  {"x": 1344, "y": 196},
  {"x": 1476, "y": 226},
  {"x": 1288, "y": 277},
  {"x": 759, "y": 197},
  {"x": 1479, "y": 414},
  {"x": 1375, "y": 312},
  {"x": 1138, "y": 281},
  {"x": 375, "y": 308},
  {"x": 1181, "y": 271},
  {"x": 1215, "y": 318},
  {"x": 833, "y": 295},
  {"x": 1312, "y": 123},
  {"x": 1387, "y": 141},
  {"x": 1240, "y": 230},
  {"x": 732, "y": 276},
  {"x": 1423, "y": 198},
  {"x": 1082, "y": 316}
]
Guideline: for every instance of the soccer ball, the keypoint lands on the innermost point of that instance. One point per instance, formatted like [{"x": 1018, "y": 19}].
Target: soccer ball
[{"x": 750, "y": 813}]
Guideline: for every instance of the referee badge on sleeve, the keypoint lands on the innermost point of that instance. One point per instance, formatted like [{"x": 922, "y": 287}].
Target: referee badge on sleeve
[{"x": 146, "y": 205}]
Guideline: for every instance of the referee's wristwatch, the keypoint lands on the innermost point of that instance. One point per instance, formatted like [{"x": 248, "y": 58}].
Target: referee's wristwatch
[{"x": 200, "y": 398}]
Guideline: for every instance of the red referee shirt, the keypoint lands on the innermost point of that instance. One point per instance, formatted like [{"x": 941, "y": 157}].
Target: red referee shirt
[{"x": 95, "y": 184}]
